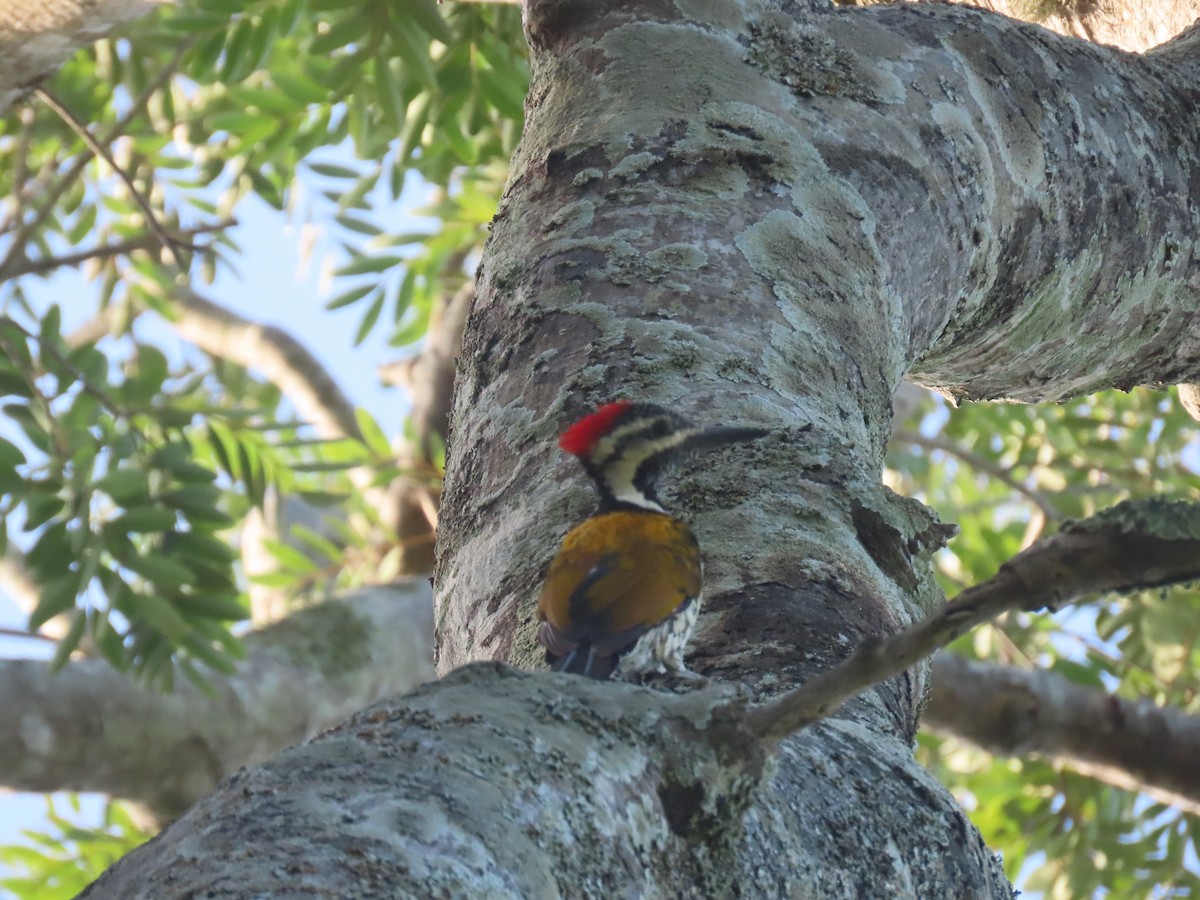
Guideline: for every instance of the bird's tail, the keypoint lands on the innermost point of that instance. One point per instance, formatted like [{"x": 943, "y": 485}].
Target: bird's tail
[{"x": 584, "y": 660}]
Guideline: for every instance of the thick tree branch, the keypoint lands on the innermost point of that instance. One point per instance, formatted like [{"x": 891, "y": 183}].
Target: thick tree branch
[
  {"x": 90, "y": 728},
  {"x": 507, "y": 784},
  {"x": 1134, "y": 545},
  {"x": 281, "y": 358},
  {"x": 1132, "y": 744},
  {"x": 267, "y": 349}
]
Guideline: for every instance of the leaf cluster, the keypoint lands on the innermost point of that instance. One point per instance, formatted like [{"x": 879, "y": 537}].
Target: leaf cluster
[{"x": 1063, "y": 833}]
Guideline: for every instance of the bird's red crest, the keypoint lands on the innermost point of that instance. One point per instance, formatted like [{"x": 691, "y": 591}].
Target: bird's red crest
[{"x": 579, "y": 438}]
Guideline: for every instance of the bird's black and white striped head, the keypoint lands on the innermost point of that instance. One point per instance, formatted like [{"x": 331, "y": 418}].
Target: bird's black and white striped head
[{"x": 626, "y": 446}]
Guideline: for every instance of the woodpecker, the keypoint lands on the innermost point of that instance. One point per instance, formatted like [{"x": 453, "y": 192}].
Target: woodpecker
[{"x": 623, "y": 593}]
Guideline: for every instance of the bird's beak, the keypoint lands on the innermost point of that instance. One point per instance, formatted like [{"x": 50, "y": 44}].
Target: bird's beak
[{"x": 711, "y": 438}]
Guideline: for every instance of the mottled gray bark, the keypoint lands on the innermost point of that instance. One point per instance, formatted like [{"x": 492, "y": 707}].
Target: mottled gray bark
[
  {"x": 760, "y": 213},
  {"x": 501, "y": 784},
  {"x": 38, "y": 36},
  {"x": 91, "y": 728}
]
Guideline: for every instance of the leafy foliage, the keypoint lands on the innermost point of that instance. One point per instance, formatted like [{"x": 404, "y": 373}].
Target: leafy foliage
[
  {"x": 1067, "y": 834},
  {"x": 61, "y": 863},
  {"x": 133, "y": 464}
]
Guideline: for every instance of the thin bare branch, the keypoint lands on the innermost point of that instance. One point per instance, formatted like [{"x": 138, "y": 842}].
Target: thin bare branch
[
  {"x": 102, "y": 151},
  {"x": 32, "y": 635},
  {"x": 108, "y": 401},
  {"x": 52, "y": 194},
  {"x": 20, "y": 170},
  {"x": 1133, "y": 546},
  {"x": 981, "y": 463},
  {"x": 121, "y": 248}
]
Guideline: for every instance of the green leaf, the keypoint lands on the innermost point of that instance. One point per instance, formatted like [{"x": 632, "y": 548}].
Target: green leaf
[
  {"x": 204, "y": 546},
  {"x": 30, "y": 424},
  {"x": 356, "y": 224},
  {"x": 128, "y": 487},
  {"x": 369, "y": 320},
  {"x": 234, "y": 121},
  {"x": 329, "y": 170},
  {"x": 224, "y": 447},
  {"x": 15, "y": 345},
  {"x": 277, "y": 103},
  {"x": 199, "y": 502},
  {"x": 340, "y": 33},
  {"x": 410, "y": 332},
  {"x": 69, "y": 641},
  {"x": 40, "y": 509},
  {"x": 166, "y": 574},
  {"x": 238, "y": 60},
  {"x": 292, "y": 559},
  {"x": 158, "y": 613},
  {"x": 425, "y": 14},
  {"x": 48, "y": 554},
  {"x": 111, "y": 643},
  {"x": 144, "y": 519},
  {"x": 251, "y": 464},
  {"x": 57, "y": 596},
  {"x": 351, "y": 296},
  {"x": 300, "y": 87},
  {"x": 318, "y": 542},
  {"x": 355, "y": 198},
  {"x": 13, "y": 384},
  {"x": 91, "y": 362},
  {"x": 207, "y": 654},
  {"x": 364, "y": 265},
  {"x": 211, "y": 606},
  {"x": 191, "y": 472},
  {"x": 372, "y": 434},
  {"x": 51, "y": 327},
  {"x": 83, "y": 226},
  {"x": 10, "y": 457},
  {"x": 413, "y": 49}
]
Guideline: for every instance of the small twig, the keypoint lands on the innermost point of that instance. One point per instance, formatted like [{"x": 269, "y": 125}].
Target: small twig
[
  {"x": 1118, "y": 550},
  {"x": 51, "y": 195},
  {"x": 71, "y": 369},
  {"x": 121, "y": 248},
  {"x": 982, "y": 463},
  {"x": 20, "y": 170},
  {"x": 102, "y": 151},
  {"x": 18, "y": 633}
]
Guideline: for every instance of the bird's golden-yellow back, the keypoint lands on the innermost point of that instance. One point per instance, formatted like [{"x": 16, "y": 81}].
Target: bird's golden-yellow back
[{"x": 618, "y": 574}]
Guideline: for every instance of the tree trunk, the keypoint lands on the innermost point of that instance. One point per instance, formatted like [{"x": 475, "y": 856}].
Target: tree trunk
[{"x": 757, "y": 213}]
